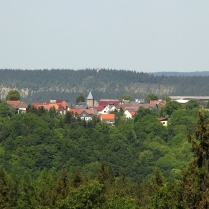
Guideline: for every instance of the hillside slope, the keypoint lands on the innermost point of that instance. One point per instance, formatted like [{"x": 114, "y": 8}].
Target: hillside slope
[{"x": 42, "y": 85}]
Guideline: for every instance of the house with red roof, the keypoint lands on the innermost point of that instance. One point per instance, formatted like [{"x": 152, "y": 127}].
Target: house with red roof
[
  {"x": 108, "y": 118},
  {"x": 164, "y": 121},
  {"x": 105, "y": 102},
  {"x": 84, "y": 114},
  {"x": 20, "y": 106},
  {"x": 130, "y": 113},
  {"x": 61, "y": 106}
]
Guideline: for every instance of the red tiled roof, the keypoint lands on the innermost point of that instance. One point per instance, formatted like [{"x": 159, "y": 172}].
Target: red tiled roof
[
  {"x": 154, "y": 102},
  {"x": 99, "y": 108},
  {"x": 62, "y": 104},
  {"x": 77, "y": 111},
  {"x": 133, "y": 113},
  {"x": 46, "y": 105},
  {"x": 90, "y": 112},
  {"x": 107, "y": 102},
  {"x": 14, "y": 103},
  {"x": 107, "y": 117}
]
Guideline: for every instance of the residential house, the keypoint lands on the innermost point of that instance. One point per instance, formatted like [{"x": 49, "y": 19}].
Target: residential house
[
  {"x": 76, "y": 112},
  {"x": 84, "y": 114},
  {"x": 164, "y": 121},
  {"x": 108, "y": 118},
  {"x": 64, "y": 105},
  {"x": 20, "y": 106},
  {"x": 87, "y": 114},
  {"x": 61, "y": 106},
  {"x": 107, "y": 109},
  {"x": 105, "y": 102},
  {"x": 129, "y": 113},
  {"x": 81, "y": 105}
]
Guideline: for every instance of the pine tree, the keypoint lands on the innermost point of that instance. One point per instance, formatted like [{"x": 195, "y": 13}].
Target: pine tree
[
  {"x": 4, "y": 191},
  {"x": 44, "y": 188},
  {"x": 77, "y": 179},
  {"x": 68, "y": 117},
  {"x": 62, "y": 186},
  {"x": 26, "y": 199},
  {"x": 105, "y": 174},
  {"x": 196, "y": 179}
]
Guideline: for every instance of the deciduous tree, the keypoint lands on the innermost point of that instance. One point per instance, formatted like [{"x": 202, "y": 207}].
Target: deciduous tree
[{"x": 13, "y": 95}]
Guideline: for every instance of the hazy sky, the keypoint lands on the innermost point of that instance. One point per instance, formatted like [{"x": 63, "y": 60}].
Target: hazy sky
[{"x": 141, "y": 35}]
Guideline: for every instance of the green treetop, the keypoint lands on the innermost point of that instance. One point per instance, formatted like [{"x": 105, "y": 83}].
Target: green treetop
[{"x": 13, "y": 95}]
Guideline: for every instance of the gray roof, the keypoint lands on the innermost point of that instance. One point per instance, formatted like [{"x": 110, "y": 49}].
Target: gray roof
[{"x": 90, "y": 96}]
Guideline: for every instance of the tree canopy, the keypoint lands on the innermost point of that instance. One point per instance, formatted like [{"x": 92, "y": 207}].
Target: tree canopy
[
  {"x": 126, "y": 97},
  {"x": 13, "y": 95},
  {"x": 60, "y": 161},
  {"x": 80, "y": 98},
  {"x": 151, "y": 97}
]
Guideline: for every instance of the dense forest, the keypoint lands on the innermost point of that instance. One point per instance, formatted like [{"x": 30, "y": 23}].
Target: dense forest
[
  {"x": 43, "y": 85},
  {"x": 62, "y": 162},
  {"x": 195, "y": 73}
]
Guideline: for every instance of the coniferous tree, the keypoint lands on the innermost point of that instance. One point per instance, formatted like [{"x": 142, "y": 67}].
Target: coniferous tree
[
  {"x": 27, "y": 193},
  {"x": 62, "y": 186},
  {"x": 77, "y": 179},
  {"x": 44, "y": 188},
  {"x": 80, "y": 98},
  {"x": 68, "y": 117},
  {"x": 4, "y": 190},
  {"x": 196, "y": 179},
  {"x": 14, "y": 192},
  {"x": 105, "y": 174}
]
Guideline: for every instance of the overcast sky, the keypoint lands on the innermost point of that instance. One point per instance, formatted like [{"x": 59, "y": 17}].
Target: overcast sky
[{"x": 141, "y": 35}]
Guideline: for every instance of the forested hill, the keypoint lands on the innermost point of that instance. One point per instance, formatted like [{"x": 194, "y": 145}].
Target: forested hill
[
  {"x": 196, "y": 73},
  {"x": 42, "y": 85}
]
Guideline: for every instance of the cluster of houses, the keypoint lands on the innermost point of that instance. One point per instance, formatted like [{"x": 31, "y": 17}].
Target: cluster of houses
[{"x": 103, "y": 108}]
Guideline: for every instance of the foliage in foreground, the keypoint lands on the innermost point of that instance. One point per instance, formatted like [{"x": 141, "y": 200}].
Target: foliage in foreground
[{"x": 52, "y": 161}]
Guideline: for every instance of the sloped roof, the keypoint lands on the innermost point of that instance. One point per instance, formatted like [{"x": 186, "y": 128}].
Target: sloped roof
[
  {"x": 99, "y": 108},
  {"x": 108, "y": 102},
  {"x": 17, "y": 104},
  {"x": 133, "y": 113},
  {"x": 162, "y": 119},
  {"x": 90, "y": 96},
  {"x": 14, "y": 103},
  {"x": 62, "y": 105},
  {"x": 154, "y": 102},
  {"x": 47, "y": 105},
  {"x": 77, "y": 111},
  {"x": 22, "y": 105},
  {"x": 90, "y": 112},
  {"x": 107, "y": 117}
]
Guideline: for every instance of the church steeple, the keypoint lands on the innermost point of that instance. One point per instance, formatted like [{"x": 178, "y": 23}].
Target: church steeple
[
  {"x": 90, "y": 96},
  {"x": 90, "y": 99}
]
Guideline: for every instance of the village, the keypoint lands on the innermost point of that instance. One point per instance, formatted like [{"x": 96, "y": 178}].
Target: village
[{"x": 104, "y": 108}]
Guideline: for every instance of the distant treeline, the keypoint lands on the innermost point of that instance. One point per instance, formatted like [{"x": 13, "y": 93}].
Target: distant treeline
[
  {"x": 43, "y": 85},
  {"x": 196, "y": 73}
]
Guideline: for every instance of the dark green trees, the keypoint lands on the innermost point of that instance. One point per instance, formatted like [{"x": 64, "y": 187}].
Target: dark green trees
[
  {"x": 126, "y": 97},
  {"x": 151, "y": 97},
  {"x": 191, "y": 191},
  {"x": 13, "y": 95},
  {"x": 80, "y": 98},
  {"x": 196, "y": 179},
  {"x": 4, "y": 190},
  {"x": 170, "y": 107},
  {"x": 192, "y": 104}
]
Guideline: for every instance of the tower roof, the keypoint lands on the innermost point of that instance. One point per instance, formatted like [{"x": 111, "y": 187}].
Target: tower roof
[{"x": 90, "y": 96}]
